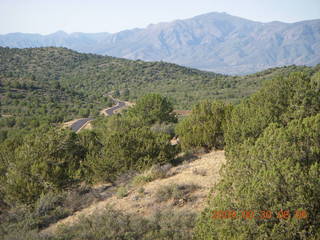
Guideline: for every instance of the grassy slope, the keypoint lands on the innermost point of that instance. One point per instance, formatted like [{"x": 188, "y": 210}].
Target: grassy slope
[{"x": 202, "y": 172}]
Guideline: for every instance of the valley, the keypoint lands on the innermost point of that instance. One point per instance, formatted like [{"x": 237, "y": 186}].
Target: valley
[
  {"x": 240, "y": 142},
  {"x": 53, "y": 85},
  {"x": 160, "y": 120}
]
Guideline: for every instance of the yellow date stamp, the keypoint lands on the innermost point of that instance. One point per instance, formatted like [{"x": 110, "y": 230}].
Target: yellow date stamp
[{"x": 258, "y": 214}]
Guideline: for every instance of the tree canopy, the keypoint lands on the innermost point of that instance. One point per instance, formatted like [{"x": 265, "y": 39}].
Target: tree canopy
[
  {"x": 204, "y": 127},
  {"x": 273, "y": 151}
]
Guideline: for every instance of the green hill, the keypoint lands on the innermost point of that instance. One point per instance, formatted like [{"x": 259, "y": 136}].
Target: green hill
[
  {"x": 52, "y": 85},
  {"x": 269, "y": 184}
]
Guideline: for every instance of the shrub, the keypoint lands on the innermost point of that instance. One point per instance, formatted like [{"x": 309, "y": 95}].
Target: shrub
[
  {"x": 45, "y": 161},
  {"x": 204, "y": 127},
  {"x": 155, "y": 172},
  {"x": 141, "y": 180},
  {"x": 141, "y": 190},
  {"x": 153, "y": 108},
  {"x": 122, "y": 192},
  {"x": 112, "y": 224},
  {"x": 279, "y": 101},
  {"x": 49, "y": 208},
  {"x": 136, "y": 149},
  {"x": 279, "y": 171},
  {"x": 164, "y": 128},
  {"x": 175, "y": 191},
  {"x": 201, "y": 172},
  {"x": 129, "y": 142}
]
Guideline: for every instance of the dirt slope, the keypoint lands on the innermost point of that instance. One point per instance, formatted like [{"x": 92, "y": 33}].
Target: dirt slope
[{"x": 203, "y": 172}]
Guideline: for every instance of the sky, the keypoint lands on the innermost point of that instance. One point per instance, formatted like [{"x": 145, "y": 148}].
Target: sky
[{"x": 48, "y": 16}]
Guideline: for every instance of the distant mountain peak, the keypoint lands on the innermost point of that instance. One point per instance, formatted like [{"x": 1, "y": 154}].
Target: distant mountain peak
[
  {"x": 221, "y": 16},
  {"x": 215, "y": 41},
  {"x": 59, "y": 33}
]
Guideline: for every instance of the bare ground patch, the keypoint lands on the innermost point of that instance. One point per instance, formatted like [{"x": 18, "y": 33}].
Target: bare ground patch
[{"x": 193, "y": 179}]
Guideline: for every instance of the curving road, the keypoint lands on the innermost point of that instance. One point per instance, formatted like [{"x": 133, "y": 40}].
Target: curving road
[
  {"x": 111, "y": 110},
  {"x": 76, "y": 126}
]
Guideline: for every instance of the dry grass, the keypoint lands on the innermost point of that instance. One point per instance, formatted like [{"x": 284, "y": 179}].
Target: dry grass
[
  {"x": 88, "y": 126},
  {"x": 182, "y": 112},
  {"x": 201, "y": 171},
  {"x": 143, "y": 201},
  {"x": 155, "y": 172},
  {"x": 176, "y": 192}
]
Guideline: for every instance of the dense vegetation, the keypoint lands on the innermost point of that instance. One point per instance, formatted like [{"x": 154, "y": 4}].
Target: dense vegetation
[
  {"x": 47, "y": 161},
  {"x": 271, "y": 141},
  {"x": 204, "y": 127},
  {"x": 273, "y": 152},
  {"x": 51, "y": 85},
  {"x": 132, "y": 141}
]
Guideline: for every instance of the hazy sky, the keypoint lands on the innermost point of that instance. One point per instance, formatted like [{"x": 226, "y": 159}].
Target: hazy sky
[{"x": 47, "y": 16}]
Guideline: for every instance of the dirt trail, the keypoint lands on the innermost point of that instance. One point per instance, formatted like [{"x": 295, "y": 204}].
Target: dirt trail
[{"x": 204, "y": 172}]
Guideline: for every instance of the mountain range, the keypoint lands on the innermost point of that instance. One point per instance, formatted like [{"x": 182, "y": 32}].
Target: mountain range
[{"x": 216, "y": 42}]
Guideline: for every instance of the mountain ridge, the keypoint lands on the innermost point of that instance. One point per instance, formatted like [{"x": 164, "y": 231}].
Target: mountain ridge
[{"x": 216, "y": 42}]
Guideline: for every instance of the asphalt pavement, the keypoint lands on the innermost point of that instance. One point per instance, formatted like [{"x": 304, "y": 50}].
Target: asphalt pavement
[
  {"x": 78, "y": 124},
  {"x": 111, "y": 110}
]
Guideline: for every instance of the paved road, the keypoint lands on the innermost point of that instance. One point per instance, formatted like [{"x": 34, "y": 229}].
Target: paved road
[
  {"x": 111, "y": 110},
  {"x": 78, "y": 124}
]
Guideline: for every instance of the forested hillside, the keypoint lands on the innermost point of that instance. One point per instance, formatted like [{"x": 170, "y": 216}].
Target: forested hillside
[
  {"x": 268, "y": 127},
  {"x": 51, "y": 85},
  {"x": 270, "y": 184}
]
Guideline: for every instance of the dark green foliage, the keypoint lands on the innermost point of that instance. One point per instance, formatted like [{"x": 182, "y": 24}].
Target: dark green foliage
[
  {"x": 50, "y": 85},
  {"x": 45, "y": 160},
  {"x": 271, "y": 140},
  {"x": 18, "y": 224},
  {"x": 168, "y": 128},
  {"x": 273, "y": 152},
  {"x": 129, "y": 145},
  {"x": 280, "y": 101},
  {"x": 89, "y": 140},
  {"x": 130, "y": 141},
  {"x": 138, "y": 149},
  {"x": 204, "y": 127},
  {"x": 153, "y": 108},
  {"x": 52, "y": 159},
  {"x": 280, "y": 171}
]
